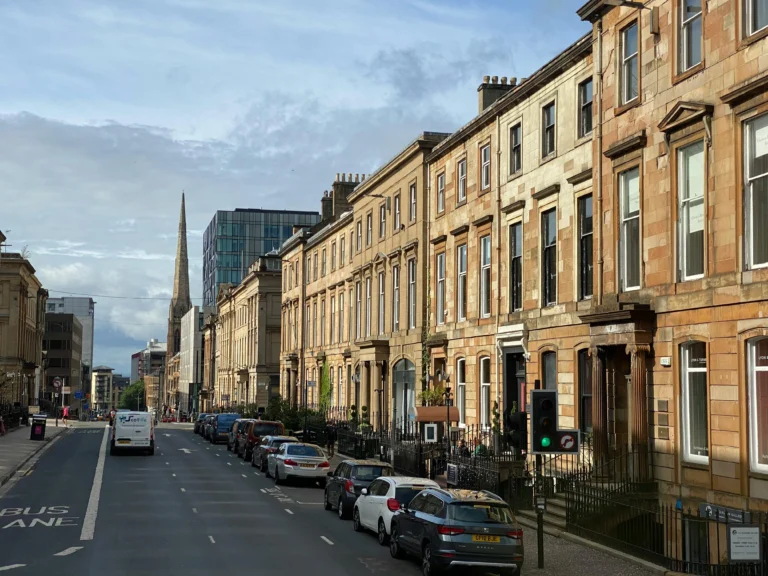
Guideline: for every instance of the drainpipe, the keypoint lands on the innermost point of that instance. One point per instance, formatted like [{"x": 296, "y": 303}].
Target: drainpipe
[
  {"x": 599, "y": 163},
  {"x": 497, "y": 218}
]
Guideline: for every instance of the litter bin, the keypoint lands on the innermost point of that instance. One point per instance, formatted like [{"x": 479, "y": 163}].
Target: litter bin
[{"x": 37, "y": 432}]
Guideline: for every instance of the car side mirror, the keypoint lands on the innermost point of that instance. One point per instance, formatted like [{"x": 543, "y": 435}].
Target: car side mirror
[{"x": 364, "y": 491}]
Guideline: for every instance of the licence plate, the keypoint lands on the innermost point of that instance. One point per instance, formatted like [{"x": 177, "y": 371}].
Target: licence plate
[
  {"x": 486, "y": 539},
  {"x": 123, "y": 441},
  {"x": 306, "y": 465}
]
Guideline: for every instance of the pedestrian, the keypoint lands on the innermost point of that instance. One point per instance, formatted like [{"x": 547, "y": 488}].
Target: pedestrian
[
  {"x": 65, "y": 415},
  {"x": 2, "y": 426},
  {"x": 330, "y": 434}
]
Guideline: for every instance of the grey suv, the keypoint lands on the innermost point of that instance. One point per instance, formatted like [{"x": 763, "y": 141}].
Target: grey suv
[{"x": 458, "y": 530}]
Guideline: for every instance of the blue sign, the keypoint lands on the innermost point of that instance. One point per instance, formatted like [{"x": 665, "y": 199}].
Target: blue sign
[
  {"x": 85, "y": 406},
  {"x": 79, "y": 395}
]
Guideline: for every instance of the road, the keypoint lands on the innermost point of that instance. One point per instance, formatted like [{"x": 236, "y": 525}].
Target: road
[{"x": 195, "y": 509}]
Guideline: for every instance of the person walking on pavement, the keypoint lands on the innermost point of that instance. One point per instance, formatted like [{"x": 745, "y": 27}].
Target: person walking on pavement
[
  {"x": 330, "y": 434},
  {"x": 65, "y": 415}
]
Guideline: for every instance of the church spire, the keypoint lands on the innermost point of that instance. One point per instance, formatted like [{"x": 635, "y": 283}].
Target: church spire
[{"x": 181, "y": 297}]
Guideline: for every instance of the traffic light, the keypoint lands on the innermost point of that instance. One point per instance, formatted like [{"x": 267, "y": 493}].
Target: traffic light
[
  {"x": 547, "y": 439},
  {"x": 516, "y": 424}
]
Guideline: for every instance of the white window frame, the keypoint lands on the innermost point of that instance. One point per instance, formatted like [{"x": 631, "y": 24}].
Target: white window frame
[
  {"x": 683, "y": 34},
  {"x": 485, "y": 167},
  {"x": 546, "y": 298},
  {"x": 340, "y": 378},
  {"x": 626, "y": 64},
  {"x": 309, "y": 326},
  {"x": 749, "y": 180},
  {"x": 341, "y": 316},
  {"x": 358, "y": 310},
  {"x": 333, "y": 256},
  {"x": 440, "y": 289},
  {"x": 546, "y": 127},
  {"x": 516, "y": 255},
  {"x": 461, "y": 170},
  {"x": 382, "y": 221},
  {"x": 749, "y": 8},
  {"x": 624, "y": 222},
  {"x": 368, "y": 310},
  {"x": 323, "y": 263},
  {"x": 369, "y": 229},
  {"x": 685, "y": 408},
  {"x": 516, "y": 148},
  {"x": 583, "y": 103},
  {"x": 461, "y": 282},
  {"x": 441, "y": 192},
  {"x": 684, "y": 206},
  {"x": 350, "y": 324},
  {"x": 314, "y": 266},
  {"x": 461, "y": 390},
  {"x": 382, "y": 289},
  {"x": 396, "y": 219},
  {"x": 333, "y": 319},
  {"x": 412, "y": 293},
  {"x": 485, "y": 276},
  {"x": 322, "y": 322},
  {"x": 395, "y": 298},
  {"x": 485, "y": 393},
  {"x": 342, "y": 251},
  {"x": 412, "y": 196},
  {"x": 359, "y": 235},
  {"x": 752, "y": 369},
  {"x": 314, "y": 324}
]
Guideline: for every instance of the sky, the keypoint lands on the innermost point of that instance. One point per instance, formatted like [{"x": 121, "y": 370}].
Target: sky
[{"x": 109, "y": 109}]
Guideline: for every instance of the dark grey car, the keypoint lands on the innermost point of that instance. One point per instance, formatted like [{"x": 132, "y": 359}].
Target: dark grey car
[
  {"x": 459, "y": 530},
  {"x": 344, "y": 484}
]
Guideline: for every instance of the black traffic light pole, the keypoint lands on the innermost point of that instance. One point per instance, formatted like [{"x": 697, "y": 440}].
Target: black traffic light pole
[{"x": 539, "y": 510}]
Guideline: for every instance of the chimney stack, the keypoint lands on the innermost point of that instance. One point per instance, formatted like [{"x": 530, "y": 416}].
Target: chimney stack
[
  {"x": 491, "y": 90},
  {"x": 339, "y": 195},
  {"x": 326, "y": 207}
]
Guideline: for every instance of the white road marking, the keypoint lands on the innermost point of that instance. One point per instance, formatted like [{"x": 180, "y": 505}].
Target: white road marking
[
  {"x": 229, "y": 463},
  {"x": 11, "y": 567},
  {"x": 89, "y": 522},
  {"x": 167, "y": 464},
  {"x": 183, "y": 490},
  {"x": 263, "y": 490},
  {"x": 326, "y": 540},
  {"x": 289, "y": 512},
  {"x": 174, "y": 475},
  {"x": 208, "y": 448},
  {"x": 242, "y": 463},
  {"x": 69, "y": 551},
  {"x": 194, "y": 510},
  {"x": 211, "y": 539},
  {"x": 218, "y": 454},
  {"x": 243, "y": 475},
  {"x": 257, "y": 474},
  {"x": 308, "y": 503}
]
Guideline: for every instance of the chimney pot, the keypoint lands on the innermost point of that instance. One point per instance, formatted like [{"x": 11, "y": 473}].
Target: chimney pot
[
  {"x": 512, "y": 81},
  {"x": 362, "y": 178},
  {"x": 337, "y": 177},
  {"x": 523, "y": 80},
  {"x": 343, "y": 177},
  {"x": 486, "y": 79},
  {"x": 350, "y": 176},
  {"x": 503, "y": 79},
  {"x": 357, "y": 177},
  {"x": 494, "y": 79}
]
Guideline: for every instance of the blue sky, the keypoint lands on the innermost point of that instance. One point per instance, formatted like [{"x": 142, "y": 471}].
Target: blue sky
[{"x": 110, "y": 108}]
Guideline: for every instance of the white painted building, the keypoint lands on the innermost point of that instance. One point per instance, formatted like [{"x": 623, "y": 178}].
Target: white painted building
[{"x": 191, "y": 361}]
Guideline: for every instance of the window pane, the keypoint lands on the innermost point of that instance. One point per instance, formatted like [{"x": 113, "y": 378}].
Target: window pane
[
  {"x": 698, "y": 411},
  {"x": 692, "y": 209},
  {"x": 585, "y": 390},
  {"x": 759, "y": 404},
  {"x": 549, "y": 370},
  {"x": 759, "y": 14},
  {"x": 630, "y": 40}
]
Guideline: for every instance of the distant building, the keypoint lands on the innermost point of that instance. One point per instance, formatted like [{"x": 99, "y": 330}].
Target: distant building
[
  {"x": 83, "y": 308},
  {"x": 63, "y": 344},
  {"x": 148, "y": 361},
  {"x": 235, "y": 239},
  {"x": 101, "y": 388},
  {"x": 191, "y": 362},
  {"x": 119, "y": 384}
]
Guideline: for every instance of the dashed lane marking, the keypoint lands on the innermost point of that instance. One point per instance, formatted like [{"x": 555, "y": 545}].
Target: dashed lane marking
[
  {"x": 326, "y": 540},
  {"x": 174, "y": 475},
  {"x": 183, "y": 489},
  {"x": 211, "y": 539},
  {"x": 289, "y": 512},
  {"x": 92, "y": 511},
  {"x": 229, "y": 463},
  {"x": 69, "y": 551},
  {"x": 263, "y": 490},
  {"x": 194, "y": 510},
  {"x": 167, "y": 464},
  {"x": 309, "y": 503},
  {"x": 257, "y": 474},
  {"x": 243, "y": 475},
  {"x": 218, "y": 454},
  {"x": 11, "y": 567}
]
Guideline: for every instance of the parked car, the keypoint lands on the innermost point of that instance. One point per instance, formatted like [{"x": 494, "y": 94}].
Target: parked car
[
  {"x": 221, "y": 425},
  {"x": 345, "y": 483},
  {"x": 267, "y": 446},
  {"x": 237, "y": 430},
  {"x": 458, "y": 530},
  {"x": 384, "y": 498},
  {"x": 295, "y": 460},
  {"x": 208, "y": 426},
  {"x": 199, "y": 423},
  {"x": 254, "y": 433}
]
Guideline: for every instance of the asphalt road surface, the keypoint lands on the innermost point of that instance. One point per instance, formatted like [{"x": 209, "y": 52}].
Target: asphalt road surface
[{"x": 191, "y": 509}]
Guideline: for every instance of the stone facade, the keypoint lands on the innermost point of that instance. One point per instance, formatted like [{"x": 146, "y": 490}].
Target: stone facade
[
  {"x": 248, "y": 336},
  {"x": 207, "y": 398},
  {"x": 22, "y": 324},
  {"x": 686, "y": 137},
  {"x": 355, "y": 302}
]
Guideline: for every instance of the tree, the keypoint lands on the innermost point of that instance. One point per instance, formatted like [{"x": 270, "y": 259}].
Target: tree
[
  {"x": 325, "y": 387},
  {"x": 133, "y": 397}
]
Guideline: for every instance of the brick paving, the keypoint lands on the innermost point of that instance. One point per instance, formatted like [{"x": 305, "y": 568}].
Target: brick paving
[{"x": 16, "y": 447}]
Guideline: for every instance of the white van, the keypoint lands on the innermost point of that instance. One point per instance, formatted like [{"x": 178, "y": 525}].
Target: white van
[{"x": 133, "y": 431}]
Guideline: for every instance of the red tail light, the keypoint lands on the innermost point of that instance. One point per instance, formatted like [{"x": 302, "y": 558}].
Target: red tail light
[
  {"x": 324, "y": 465},
  {"x": 290, "y": 462},
  {"x": 517, "y": 534},
  {"x": 349, "y": 486},
  {"x": 449, "y": 530},
  {"x": 393, "y": 505}
]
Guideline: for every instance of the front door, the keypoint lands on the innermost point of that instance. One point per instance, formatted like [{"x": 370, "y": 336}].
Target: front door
[{"x": 514, "y": 381}]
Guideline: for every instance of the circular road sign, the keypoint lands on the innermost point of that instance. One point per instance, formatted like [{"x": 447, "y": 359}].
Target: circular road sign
[
  {"x": 57, "y": 382},
  {"x": 567, "y": 442}
]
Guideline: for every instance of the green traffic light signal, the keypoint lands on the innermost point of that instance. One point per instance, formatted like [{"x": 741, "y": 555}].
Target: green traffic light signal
[{"x": 546, "y": 442}]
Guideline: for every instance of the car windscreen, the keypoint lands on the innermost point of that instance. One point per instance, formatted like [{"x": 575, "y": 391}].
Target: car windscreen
[
  {"x": 405, "y": 494},
  {"x": 266, "y": 429},
  {"x": 303, "y": 451},
  {"x": 480, "y": 513},
  {"x": 202, "y": 417},
  {"x": 278, "y": 443},
  {"x": 370, "y": 472}
]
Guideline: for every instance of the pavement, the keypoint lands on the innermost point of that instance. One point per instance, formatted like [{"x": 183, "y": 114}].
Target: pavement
[
  {"x": 196, "y": 509},
  {"x": 16, "y": 448}
]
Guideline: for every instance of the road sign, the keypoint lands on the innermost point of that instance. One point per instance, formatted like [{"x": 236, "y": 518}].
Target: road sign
[
  {"x": 57, "y": 382},
  {"x": 78, "y": 395},
  {"x": 65, "y": 389},
  {"x": 56, "y": 395},
  {"x": 744, "y": 543},
  {"x": 85, "y": 406},
  {"x": 567, "y": 442}
]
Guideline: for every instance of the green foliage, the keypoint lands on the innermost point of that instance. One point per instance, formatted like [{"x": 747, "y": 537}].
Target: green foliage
[
  {"x": 133, "y": 397},
  {"x": 433, "y": 396},
  {"x": 353, "y": 415},
  {"x": 496, "y": 418},
  {"x": 325, "y": 387}
]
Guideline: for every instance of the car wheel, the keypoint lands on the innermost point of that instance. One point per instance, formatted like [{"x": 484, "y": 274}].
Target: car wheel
[
  {"x": 264, "y": 467},
  {"x": 326, "y": 502},
  {"x": 253, "y": 461},
  {"x": 394, "y": 546},
  {"x": 340, "y": 508},
  {"x": 229, "y": 448},
  {"x": 382, "y": 533},
  {"x": 428, "y": 567},
  {"x": 277, "y": 478},
  {"x": 356, "y": 526}
]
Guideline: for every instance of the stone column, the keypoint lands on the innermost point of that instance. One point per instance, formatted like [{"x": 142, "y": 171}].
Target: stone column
[
  {"x": 375, "y": 396},
  {"x": 640, "y": 439},
  {"x": 599, "y": 436}
]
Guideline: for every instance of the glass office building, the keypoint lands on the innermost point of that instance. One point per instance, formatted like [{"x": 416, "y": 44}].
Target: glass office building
[{"x": 235, "y": 239}]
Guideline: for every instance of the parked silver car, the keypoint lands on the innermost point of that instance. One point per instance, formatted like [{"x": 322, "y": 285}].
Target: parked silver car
[
  {"x": 294, "y": 461},
  {"x": 268, "y": 445}
]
